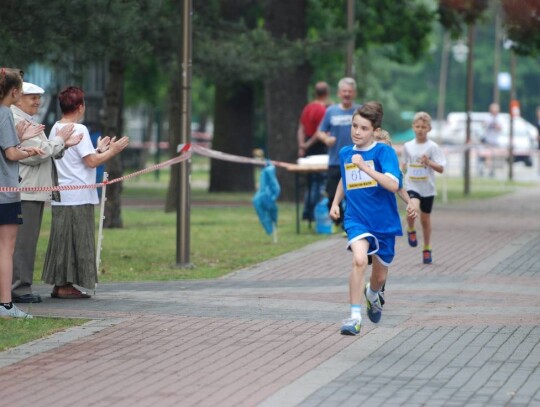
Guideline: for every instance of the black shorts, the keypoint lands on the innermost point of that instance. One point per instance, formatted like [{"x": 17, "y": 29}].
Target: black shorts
[
  {"x": 426, "y": 202},
  {"x": 11, "y": 214}
]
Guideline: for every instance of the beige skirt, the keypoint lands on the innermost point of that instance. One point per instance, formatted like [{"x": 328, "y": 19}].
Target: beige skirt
[{"x": 71, "y": 253}]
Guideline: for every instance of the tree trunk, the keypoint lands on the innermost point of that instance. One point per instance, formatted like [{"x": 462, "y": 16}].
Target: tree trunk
[
  {"x": 286, "y": 94},
  {"x": 233, "y": 134},
  {"x": 113, "y": 128},
  {"x": 234, "y": 118},
  {"x": 175, "y": 138}
]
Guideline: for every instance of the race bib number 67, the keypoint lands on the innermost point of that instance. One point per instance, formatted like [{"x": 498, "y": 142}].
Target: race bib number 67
[{"x": 355, "y": 178}]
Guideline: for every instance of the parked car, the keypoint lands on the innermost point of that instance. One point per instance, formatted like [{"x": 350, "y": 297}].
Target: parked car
[{"x": 524, "y": 137}]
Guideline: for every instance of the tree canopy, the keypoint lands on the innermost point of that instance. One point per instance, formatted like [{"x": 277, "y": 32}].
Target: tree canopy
[{"x": 522, "y": 23}]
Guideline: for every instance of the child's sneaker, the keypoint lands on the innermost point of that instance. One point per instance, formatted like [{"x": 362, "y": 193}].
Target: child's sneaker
[
  {"x": 426, "y": 255},
  {"x": 374, "y": 309},
  {"x": 350, "y": 326},
  {"x": 411, "y": 236},
  {"x": 13, "y": 312}
]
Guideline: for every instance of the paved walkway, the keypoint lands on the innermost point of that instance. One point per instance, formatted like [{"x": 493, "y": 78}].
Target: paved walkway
[{"x": 462, "y": 331}]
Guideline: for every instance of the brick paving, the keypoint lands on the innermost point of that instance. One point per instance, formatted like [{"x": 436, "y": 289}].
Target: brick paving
[{"x": 462, "y": 331}]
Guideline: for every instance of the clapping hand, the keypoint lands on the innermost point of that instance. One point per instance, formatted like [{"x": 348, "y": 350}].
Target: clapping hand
[
  {"x": 118, "y": 145},
  {"x": 27, "y": 130},
  {"x": 103, "y": 144},
  {"x": 33, "y": 151},
  {"x": 67, "y": 133}
]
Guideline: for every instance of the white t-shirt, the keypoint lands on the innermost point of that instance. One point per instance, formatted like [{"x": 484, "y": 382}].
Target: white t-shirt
[
  {"x": 420, "y": 178},
  {"x": 73, "y": 171},
  {"x": 493, "y": 129}
]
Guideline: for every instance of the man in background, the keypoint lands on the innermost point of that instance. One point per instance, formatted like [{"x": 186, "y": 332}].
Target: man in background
[
  {"x": 335, "y": 133},
  {"x": 308, "y": 145},
  {"x": 492, "y": 131}
]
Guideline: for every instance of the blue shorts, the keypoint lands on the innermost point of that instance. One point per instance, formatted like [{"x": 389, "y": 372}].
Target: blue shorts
[
  {"x": 382, "y": 246},
  {"x": 11, "y": 214}
]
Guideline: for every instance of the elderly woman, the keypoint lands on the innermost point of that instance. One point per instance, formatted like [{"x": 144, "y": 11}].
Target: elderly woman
[{"x": 70, "y": 257}]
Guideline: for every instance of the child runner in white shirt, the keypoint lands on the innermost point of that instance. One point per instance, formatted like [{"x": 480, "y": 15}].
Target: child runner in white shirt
[
  {"x": 382, "y": 136},
  {"x": 370, "y": 177},
  {"x": 421, "y": 158}
]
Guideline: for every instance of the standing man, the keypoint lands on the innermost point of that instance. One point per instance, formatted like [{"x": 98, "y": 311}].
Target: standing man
[
  {"x": 492, "y": 131},
  {"x": 335, "y": 133},
  {"x": 310, "y": 119},
  {"x": 35, "y": 171}
]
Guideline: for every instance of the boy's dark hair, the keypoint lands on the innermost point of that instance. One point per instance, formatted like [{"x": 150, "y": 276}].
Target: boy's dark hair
[
  {"x": 372, "y": 111},
  {"x": 70, "y": 99}
]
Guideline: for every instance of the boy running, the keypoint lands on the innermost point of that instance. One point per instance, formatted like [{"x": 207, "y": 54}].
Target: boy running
[
  {"x": 370, "y": 177},
  {"x": 421, "y": 158}
]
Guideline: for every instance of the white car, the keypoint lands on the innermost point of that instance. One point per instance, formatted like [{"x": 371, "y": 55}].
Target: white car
[{"x": 524, "y": 137}]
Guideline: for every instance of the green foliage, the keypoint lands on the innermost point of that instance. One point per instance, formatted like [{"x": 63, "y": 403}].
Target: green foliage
[
  {"x": 79, "y": 30},
  {"x": 455, "y": 14},
  {"x": 403, "y": 27},
  {"x": 145, "y": 82},
  {"x": 522, "y": 23}
]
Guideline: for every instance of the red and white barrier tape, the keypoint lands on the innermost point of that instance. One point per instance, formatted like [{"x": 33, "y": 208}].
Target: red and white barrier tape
[
  {"x": 218, "y": 155},
  {"x": 172, "y": 161},
  {"x": 185, "y": 151}
]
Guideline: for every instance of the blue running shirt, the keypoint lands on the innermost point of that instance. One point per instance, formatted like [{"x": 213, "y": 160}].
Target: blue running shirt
[{"x": 369, "y": 204}]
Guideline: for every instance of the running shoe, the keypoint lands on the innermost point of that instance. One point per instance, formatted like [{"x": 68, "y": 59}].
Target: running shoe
[
  {"x": 374, "y": 309},
  {"x": 411, "y": 236},
  {"x": 13, "y": 312},
  {"x": 426, "y": 255},
  {"x": 350, "y": 326}
]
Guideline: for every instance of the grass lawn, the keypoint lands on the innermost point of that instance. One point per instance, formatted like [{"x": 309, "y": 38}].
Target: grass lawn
[{"x": 14, "y": 332}]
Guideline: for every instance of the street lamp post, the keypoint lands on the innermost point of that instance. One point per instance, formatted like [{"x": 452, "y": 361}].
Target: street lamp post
[
  {"x": 513, "y": 113},
  {"x": 443, "y": 78},
  {"x": 349, "y": 68},
  {"x": 468, "y": 107},
  {"x": 183, "y": 212}
]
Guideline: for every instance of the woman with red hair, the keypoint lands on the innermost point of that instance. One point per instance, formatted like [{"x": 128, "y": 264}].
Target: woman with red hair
[{"x": 70, "y": 257}]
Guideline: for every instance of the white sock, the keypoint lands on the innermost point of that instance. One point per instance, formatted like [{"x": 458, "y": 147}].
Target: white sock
[
  {"x": 355, "y": 311},
  {"x": 371, "y": 295}
]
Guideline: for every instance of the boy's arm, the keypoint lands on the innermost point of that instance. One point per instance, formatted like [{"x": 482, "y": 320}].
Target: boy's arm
[
  {"x": 411, "y": 210},
  {"x": 338, "y": 197},
  {"x": 326, "y": 138},
  {"x": 404, "y": 195},
  {"x": 404, "y": 168},
  {"x": 301, "y": 137},
  {"x": 432, "y": 164}
]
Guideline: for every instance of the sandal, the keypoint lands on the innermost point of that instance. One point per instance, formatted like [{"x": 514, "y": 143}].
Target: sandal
[{"x": 68, "y": 293}]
